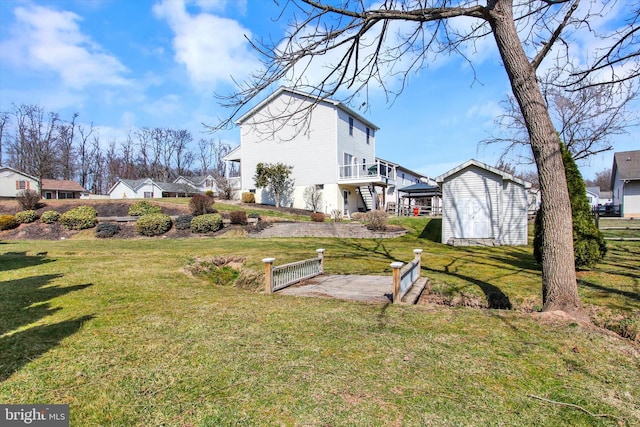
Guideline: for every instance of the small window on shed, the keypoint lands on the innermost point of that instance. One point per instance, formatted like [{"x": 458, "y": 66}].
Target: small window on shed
[{"x": 351, "y": 126}]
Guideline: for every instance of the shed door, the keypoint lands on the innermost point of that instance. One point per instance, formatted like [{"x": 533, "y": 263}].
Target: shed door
[{"x": 473, "y": 219}]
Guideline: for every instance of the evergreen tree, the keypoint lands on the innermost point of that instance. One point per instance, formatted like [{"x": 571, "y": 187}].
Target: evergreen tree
[{"x": 588, "y": 243}]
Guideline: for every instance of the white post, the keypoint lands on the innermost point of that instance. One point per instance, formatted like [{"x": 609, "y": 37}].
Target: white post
[
  {"x": 418, "y": 258},
  {"x": 320, "y": 253},
  {"x": 396, "y": 281},
  {"x": 268, "y": 274}
]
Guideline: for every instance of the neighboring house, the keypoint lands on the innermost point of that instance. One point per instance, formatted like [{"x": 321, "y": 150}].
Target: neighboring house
[
  {"x": 149, "y": 189},
  {"x": 625, "y": 181},
  {"x": 330, "y": 147},
  {"x": 13, "y": 181},
  {"x": 201, "y": 183},
  {"x": 483, "y": 205},
  {"x": 606, "y": 198},
  {"x": 593, "y": 195},
  {"x": 61, "y": 189}
]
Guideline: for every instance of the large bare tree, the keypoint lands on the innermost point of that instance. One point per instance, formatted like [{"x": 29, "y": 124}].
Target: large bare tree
[
  {"x": 398, "y": 37},
  {"x": 586, "y": 117}
]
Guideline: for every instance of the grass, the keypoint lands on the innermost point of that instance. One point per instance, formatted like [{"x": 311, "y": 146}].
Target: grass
[{"x": 116, "y": 329}]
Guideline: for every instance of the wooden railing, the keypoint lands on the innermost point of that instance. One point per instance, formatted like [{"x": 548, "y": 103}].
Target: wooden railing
[
  {"x": 405, "y": 277},
  {"x": 280, "y": 277}
]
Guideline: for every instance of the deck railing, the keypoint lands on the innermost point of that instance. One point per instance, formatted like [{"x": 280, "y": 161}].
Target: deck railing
[
  {"x": 405, "y": 277},
  {"x": 367, "y": 170},
  {"x": 280, "y": 277}
]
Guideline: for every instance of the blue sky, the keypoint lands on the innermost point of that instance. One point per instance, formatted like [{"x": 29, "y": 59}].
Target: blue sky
[{"x": 125, "y": 64}]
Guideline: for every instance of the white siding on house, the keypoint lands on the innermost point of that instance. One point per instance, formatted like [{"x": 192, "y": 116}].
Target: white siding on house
[
  {"x": 631, "y": 206},
  {"x": 12, "y": 182},
  {"x": 314, "y": 143},
  {"x": 122, "y": 191}
]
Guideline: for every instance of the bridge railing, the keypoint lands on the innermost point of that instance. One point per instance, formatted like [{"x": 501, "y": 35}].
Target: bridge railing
[
  {"x": 276, "y": 278},
  {"x": 405, "y": 277}
]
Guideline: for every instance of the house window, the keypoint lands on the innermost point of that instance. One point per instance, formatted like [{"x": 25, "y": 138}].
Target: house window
[
  {"x": 319, "y": 186},
  {"x": 368, "y": 135},
  {"x": 148, "y": 194},
  {"x": 22, "y": 185},
  {"x": 351, "y": 126},
  {"x": 48, "y": 195},
  {"x": 364, "y": 164}
]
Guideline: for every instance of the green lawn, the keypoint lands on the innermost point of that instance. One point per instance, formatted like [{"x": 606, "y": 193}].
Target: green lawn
[{"x": 117, "y": 329}]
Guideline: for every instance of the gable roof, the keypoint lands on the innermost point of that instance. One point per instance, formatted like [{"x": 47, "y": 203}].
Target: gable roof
[
  {"x": 473, "y": 162},
  {"x": 61, "y": 184},
  {"x": 314, "y": 99},
  {"x": 627, "y": 166},
  {"x": 169, "y": 187},
  {"x": 10, "y": 169},
  {"x": 594, "y": 190}
]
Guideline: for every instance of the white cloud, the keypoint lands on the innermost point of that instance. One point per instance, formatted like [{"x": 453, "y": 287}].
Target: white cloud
[
  {"x": 44, "y": 39},
  {"x": 213, "y": 49}
]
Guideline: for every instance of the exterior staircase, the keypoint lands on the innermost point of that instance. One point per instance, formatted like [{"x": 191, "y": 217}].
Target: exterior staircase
[{"x": 367, "y": 197}]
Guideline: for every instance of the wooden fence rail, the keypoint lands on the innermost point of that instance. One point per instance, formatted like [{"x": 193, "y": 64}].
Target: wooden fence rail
[{"x": 280, "y": 277}]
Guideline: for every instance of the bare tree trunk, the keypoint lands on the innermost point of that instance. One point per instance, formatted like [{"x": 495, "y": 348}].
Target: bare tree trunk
[{"x": 559, "y": 286}]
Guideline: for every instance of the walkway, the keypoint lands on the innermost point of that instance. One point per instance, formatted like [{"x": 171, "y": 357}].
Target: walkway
[{"x": 353, "y": 288}]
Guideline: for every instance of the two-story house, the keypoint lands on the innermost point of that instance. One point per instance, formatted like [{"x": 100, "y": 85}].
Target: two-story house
[{"x": 330, "y": 146}]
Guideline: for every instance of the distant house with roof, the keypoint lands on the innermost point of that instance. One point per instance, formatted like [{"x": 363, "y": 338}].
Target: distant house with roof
[
  {"x": 593, "y": 195},
  {"x": 202, "y": 183},
  {"x": 625, "y": 182},
  {"x": 61, "y": 189},
  {"x": 331, "y": 148},
  {"x": 12, "y": 181},
  {"x": 149, "y": 189}
]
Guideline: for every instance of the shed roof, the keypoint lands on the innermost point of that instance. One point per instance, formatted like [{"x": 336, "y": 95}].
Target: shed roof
[{"x": 473, "y": 162}]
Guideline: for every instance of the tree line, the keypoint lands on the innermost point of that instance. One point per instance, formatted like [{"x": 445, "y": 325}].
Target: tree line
[{"x": 45, "y": 145}]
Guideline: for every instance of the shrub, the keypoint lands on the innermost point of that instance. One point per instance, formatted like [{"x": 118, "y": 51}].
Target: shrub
[
  {"x": 376, "y": 220},
  {"x": 238, "y": 217},
  {"x": 8, "y": 222},
  {"x": 248, "y": 198},
  {"x": 25, "y": 217},
  {"x": 208, "y": 193},
  {"x": 589, "y": 246},
  {"x": 153, "y": 224},
  {"x": 201, "y": 205},
  {"x": 336, "y": 215},
  {"x": 79, "y": 218},
  {"x": 206, "y": 223},
  {"x": 144, "y": 208},
  {"x": 49, "y": 217},
  {"x": 317, "y": 217},
  {"x": 28, "y": 199},
  {"x": 107, "y": 229},
  {"x": 183, "y": 222}
]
